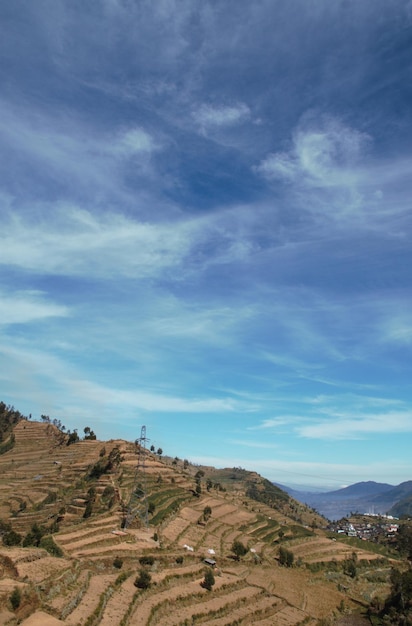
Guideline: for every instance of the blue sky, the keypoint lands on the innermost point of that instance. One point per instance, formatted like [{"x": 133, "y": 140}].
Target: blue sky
[{"x": 205, "y": 213}]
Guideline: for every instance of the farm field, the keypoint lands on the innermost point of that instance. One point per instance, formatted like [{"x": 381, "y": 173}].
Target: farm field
[{"x": 108, "y": 516}]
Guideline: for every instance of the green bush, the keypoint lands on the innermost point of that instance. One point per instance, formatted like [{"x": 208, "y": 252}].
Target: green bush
[
  {"x": 238, "y": 549},
  {"x": 146, "y": 560},
  {"x": 48, "y": 543},
  {"x": 15, "y": 598},
  {"x": 34, "y": 536},
  {"x": 88, "y": 510},
  {"x": 51, "y": 497},
  {"x": 11, "y": 538},
  {"x": 143, "y": 580},
  {"x": 286, "y": 557},
  {"x": 108, "y": 492},
  {"x": 209, "y": 579},
  {"x": 8, "y": 445}
]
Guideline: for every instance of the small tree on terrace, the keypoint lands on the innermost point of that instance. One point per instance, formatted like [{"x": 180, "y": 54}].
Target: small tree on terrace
[
  {"x": 238, "y": 549},
  {"x": 73, "y": 437},
  {"x": 88, "y": 433},
  {"x": 209, "y": 580},
  {"x": 286, "y": 557},
  {"x": 143, "y": 580}
]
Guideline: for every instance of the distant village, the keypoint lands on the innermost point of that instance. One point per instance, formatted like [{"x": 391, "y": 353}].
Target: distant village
[{"x": 369, "y": 527}]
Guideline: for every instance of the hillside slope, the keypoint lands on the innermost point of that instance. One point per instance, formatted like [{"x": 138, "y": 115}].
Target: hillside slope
[{"x": 81, "y": 512}]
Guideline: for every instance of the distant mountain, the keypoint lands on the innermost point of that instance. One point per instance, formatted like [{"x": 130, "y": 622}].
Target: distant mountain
[
  {"x": 362, "y": 490},
  {"x": 403, "y": 490},
  {"x": 403, "y": 507},
  {"x": 362, "y": 497}
]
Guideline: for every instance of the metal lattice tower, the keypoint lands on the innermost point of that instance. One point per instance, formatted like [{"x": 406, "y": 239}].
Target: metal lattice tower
[{"x": 138, "y": 505}]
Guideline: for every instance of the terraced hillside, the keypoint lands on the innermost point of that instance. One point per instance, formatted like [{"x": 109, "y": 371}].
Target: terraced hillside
[{"x": 76, "y": 542}]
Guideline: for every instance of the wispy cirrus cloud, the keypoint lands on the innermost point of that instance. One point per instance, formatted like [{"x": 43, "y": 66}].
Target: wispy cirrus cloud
[
  {"x": 67, "y": 380},
  {"x": 212, "y": 116},
  {"x": 345, "y": 427},
  {"x": 134, "y": 141},
  {"x": 77, "y": 242},
  {"x": 273, "y": 423},
  {"x": 342, "y": 417},
  {"x": 61, "y": 148},
  {"x": 22, "y": 307},
  {"x": 67, "y": 239},
  {"x": 324, "y": 153}
]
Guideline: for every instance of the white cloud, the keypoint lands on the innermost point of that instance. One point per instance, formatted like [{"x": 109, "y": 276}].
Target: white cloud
[
  {"x": 64, "y": 149},
  {"x": 272, "y": 424},
  {"x": 64, "y": 382},
  {"x": 214, "y": 325},
  {"x": 156, "y": 402},
  {"x": 135, "y": 141},
  {"x": 324, "y": 153},
  {"x": 279, "y": 165},
  {"x": 338, "y": 427},
  {"x": 75, "y": 242},
  {"x": 208, "y": 116},
  {"x": 68, "y": 240},
  {"x": 397, "y": 329},
  {"x": 27, "y": 306}
]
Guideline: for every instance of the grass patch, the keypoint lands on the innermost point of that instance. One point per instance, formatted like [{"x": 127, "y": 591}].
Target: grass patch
[{"x": 370, "y": 546}]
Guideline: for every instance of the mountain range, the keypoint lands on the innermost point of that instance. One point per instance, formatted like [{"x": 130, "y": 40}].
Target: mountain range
[{"x": 363, "y": 497}]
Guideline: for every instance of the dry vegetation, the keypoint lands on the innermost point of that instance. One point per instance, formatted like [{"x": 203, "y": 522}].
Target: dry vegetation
[{"x": 82, "y": 499}]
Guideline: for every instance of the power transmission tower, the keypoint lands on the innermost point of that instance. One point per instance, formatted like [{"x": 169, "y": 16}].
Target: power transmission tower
[{"x": 138, "y": 505}]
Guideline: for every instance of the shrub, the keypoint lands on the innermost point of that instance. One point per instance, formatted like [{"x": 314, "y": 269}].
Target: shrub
[
  {"x": 11, "y": 538},
  {"x": 8, "y": 445},
  {"x": 51, "y": 497},
  {"x": 146, "y": 560},
  {"x": 49, "y": 544},
  {"x": 143, "y": 580},
  {"x": 209, "y": 579},
  {"x": 286, "y": 557},
  {"x": 88, "y": 510},
  {"x": 118, "y": 562},
  {"x": 73, "y": 438},
  {"x": 15, "y": 598},
  {"x": 238, "y": 549},
  {"x": 33, "y": 536},
  {"x": 108, "y": 492}
]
